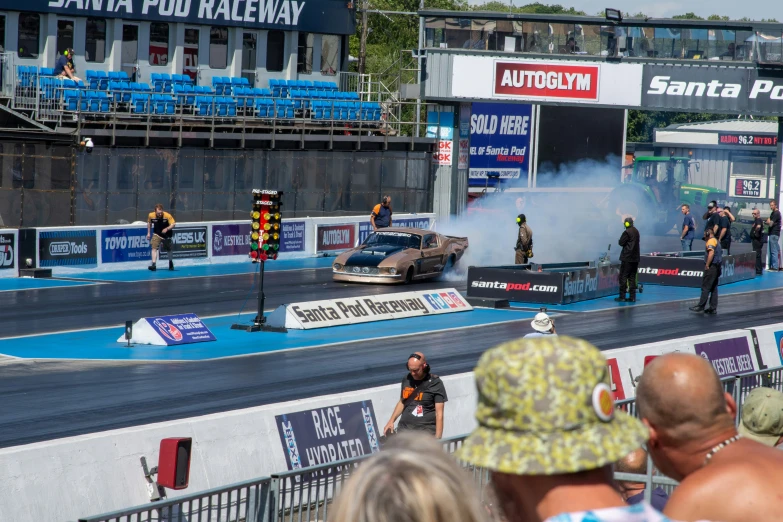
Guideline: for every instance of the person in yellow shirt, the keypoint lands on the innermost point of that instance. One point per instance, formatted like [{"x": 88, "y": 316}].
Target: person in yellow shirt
[{"x": 160, "y": 223}]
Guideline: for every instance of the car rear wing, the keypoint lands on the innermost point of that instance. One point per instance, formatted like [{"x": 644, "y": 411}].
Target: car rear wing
[{"x": 465, "y": 239}]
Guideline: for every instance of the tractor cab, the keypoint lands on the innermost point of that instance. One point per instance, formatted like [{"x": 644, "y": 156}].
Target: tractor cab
[{"x": 664, "y": 177}]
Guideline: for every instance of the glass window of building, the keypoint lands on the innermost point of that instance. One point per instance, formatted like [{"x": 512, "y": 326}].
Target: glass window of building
[
  {"x": 95, "y": 40},
  {"x": 190, "y": 52},
  {"x": 218, "y": 47},
  {"x": 2, "y": 33},
  {"x": 64, "y": 36},
  {"x": 330, "y": 54},
  {"x": 159, "y": 43},
  {"x": 29, "y": 35},
  {"x": 304, "y": 55},
  {"x": 249, "y": 56},
  {"x": 275, "y": 51}
]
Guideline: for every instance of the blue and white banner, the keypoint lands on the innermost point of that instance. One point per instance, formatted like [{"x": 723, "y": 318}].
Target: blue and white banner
[
  {"x": 120, "y": 245},
  {"x": 67, "y": 248},
  {"x": 293, "y": 237},
  {"x": 423, "y": 223},
  {"x": 499, "y": 141},
  {"x": 324, "y": 435},
  {"x": 170, "y": 330}
]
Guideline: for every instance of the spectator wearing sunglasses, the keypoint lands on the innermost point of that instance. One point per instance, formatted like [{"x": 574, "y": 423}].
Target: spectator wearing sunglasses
[{"x": 422, "y": 400}]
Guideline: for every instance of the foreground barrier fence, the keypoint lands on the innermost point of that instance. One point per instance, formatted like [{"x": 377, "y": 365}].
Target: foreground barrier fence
[{"x": 305, "y": 494}]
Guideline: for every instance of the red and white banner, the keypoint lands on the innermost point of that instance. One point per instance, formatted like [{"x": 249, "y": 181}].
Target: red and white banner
[
  {"x": 541, "y": 80},
  {"x": 443, "y": 155},
  {"x": 333, "y": 238},
  {"x": 464, "y": 154},
  {"x": 494, "y": 78}
]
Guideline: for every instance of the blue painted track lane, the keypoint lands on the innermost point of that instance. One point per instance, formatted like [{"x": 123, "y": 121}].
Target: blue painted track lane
[
  {"x": 101, "y": 344},
  {"x": 16, "y": 284}
]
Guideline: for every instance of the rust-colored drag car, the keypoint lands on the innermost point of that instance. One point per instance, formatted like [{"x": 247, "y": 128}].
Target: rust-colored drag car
[{"x": 399, "y": 255}]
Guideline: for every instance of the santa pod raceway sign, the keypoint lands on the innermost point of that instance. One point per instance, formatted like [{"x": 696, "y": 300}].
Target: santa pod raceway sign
[
  {"x": 559, "y": 82},
  {"x": 528, "y": 286},
  {"x": 712, "y": 89},
  {"x": 315, "y": 437},
  {"x": 340, "y": 312},
  {"x": 170, "y": 330},
  {"x": 688, "y": 271}
]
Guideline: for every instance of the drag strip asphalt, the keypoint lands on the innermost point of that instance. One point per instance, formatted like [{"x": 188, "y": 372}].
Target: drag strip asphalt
[{"x": 47, "y": 400}]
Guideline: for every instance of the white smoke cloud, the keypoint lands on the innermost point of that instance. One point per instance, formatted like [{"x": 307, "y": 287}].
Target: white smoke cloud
[{"x": 566, "y": 214}]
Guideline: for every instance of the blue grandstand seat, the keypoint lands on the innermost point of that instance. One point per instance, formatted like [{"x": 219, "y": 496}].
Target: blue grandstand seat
[
  {"x": 99, "y": 101},
  {"x": 263, "y": 107},
  {"x": 28, "y": 75},
  {"x": 163, "y": 104},
  {"x": 161, "y": 82},
  {"x": 274, "y": 86},
  {"x": 307, "y": 84},
  {"x": 71, "y": 100},
  {"x": 204, "y": 105},
  {"x": 217, "y": 84},
  {"x": 46, "y": 71},
  {"x": 284, "y": 108},
  {"x": 140, "y": 103}
]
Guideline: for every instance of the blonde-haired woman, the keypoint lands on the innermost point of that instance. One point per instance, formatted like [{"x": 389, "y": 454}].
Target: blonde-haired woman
[{"x": 412, "y": 480}]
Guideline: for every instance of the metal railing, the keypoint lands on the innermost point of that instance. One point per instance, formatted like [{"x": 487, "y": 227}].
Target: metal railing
[
  {"x": 245, "y": 501},
  {"x": 44, "y": 99},
  {"x": 304, "y": 495}
]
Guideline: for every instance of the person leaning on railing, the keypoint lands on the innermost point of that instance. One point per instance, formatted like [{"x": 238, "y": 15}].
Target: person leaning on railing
[
  {"x": 64, "y": 67},
  {"x": 693, "y": 439}
]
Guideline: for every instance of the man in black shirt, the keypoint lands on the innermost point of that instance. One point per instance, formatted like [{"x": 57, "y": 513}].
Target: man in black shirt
[
  {"x": 422, "y": 400},
  {"x": 64, "y": 67},
  {"x": 713, "y": 219},
  {"x": 724, "y": 230},
  {"x": 757, "y": 238},
  {"x": 773, "y": 236},
  {"x": 629, "y": 261}
]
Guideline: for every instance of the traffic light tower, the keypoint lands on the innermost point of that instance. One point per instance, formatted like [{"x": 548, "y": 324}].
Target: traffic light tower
[{"x": 265, "y": 232}]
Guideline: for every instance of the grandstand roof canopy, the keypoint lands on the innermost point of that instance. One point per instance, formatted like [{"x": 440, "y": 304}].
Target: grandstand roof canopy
[{"x": 592, "y": 20}]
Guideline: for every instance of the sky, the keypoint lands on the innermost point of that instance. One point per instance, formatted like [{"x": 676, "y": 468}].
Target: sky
[{"x": 734, "y": 9}]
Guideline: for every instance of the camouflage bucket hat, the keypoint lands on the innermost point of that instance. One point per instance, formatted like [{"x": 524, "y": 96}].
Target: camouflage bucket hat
[{"x": 545, "y": 407}]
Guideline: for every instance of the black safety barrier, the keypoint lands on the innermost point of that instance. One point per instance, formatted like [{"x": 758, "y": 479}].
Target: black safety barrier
[{"x": 687, "y": 268}]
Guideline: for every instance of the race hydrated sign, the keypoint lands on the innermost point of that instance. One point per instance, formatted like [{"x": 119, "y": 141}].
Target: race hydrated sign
[
  {"x": 324, "y": 435},
  {"x": 339, "y": 312},
  {"x": 169, "y": 330}
]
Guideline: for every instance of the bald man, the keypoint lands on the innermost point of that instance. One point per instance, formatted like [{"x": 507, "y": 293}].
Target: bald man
[
  {"x": 633, "y": 492},
  {"x": 422, "y": 400},
  {"x": 693, "y": 439}
]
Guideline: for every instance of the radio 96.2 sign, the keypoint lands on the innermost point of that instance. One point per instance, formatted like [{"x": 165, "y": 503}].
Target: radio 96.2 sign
[
  {"x": 749, "y": 188},
  {"x": 747, "y": 140}
]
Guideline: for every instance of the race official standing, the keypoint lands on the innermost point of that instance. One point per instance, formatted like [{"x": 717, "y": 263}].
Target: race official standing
[
  {"x": 712, "y": 217},
  {"x": 159, "y": 225},
  {"x": 629, "y": 261},
  {"x": 381, "y": 216},
  {"x": 524, "y": 246},
  {"x": 757, "y": 239},
  {"x": 688, "y": 229},
  {"x": 422, "y": 400},
  {"x": 709, "y": 281},
  {"x": 724, "y": 230},
  {"x": 773, "y": 236}
]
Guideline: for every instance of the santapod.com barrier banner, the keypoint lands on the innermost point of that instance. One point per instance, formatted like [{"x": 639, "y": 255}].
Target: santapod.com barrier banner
[{"x": 340, "y": 312}]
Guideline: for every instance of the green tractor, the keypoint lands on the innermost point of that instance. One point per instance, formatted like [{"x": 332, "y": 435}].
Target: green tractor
[{"x": 653, "y": 190}]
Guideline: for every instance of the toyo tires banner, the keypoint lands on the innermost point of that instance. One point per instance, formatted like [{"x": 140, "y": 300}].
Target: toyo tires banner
[{"x": 121, "y": 245}]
